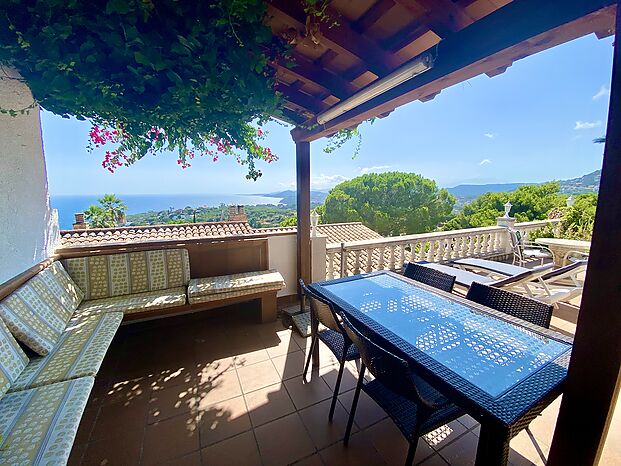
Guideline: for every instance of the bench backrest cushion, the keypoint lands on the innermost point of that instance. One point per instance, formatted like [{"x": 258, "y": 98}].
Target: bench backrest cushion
[
  {"x": 111, "y": 275},
  {"x": 12, "y": 359},
  {"x": 38, "y": 311}
]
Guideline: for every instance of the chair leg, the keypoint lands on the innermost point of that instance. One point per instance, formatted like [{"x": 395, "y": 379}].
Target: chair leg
[
  {"x": 310, "y": 356},
  {"x": 411, "y": 452},
  {"x": 336, "y": 388},
  {"x": 354, "y": 405}
]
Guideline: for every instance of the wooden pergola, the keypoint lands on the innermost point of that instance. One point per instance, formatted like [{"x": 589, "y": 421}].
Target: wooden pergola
[{"x": 365, "y": 43}]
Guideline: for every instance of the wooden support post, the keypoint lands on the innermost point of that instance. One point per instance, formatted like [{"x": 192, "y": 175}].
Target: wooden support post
[
  {"x": 593, "y": 378},
  {"x": 302, "y": 168}
]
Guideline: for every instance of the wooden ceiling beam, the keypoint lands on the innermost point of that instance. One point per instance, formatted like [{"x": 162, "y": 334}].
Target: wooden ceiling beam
[
  {"x": 405, "y": 36},
  {"x": 308, "y": 71},
  {"x": 373, "y": 15},
  {"x": 521, "y": 28},
  {"x": 307, "y": 102},
  {"x": 442, "y": 16},
  {"x": 342, "y": 38}
]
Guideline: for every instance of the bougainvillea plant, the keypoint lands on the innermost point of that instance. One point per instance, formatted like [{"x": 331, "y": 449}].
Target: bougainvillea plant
[{"x": 190, "y": 77}]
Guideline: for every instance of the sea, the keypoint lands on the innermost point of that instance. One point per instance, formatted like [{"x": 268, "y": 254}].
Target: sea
[{"x": 68, "y": 205}]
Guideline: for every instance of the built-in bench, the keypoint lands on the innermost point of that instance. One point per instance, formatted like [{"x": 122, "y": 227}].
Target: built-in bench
[{"x": 65, "y": 318}]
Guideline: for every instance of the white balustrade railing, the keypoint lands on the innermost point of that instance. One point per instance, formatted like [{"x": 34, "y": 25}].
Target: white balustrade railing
[{"x": 391, "y": 253}]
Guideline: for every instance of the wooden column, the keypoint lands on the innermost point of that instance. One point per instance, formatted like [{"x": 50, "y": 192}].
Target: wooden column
[
  {"x": 302, "y": 169},
  {"x": 593, "y": 379}
]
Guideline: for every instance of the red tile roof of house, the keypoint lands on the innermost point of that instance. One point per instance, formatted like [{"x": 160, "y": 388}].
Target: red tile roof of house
[{"x": 336, "y": 233}]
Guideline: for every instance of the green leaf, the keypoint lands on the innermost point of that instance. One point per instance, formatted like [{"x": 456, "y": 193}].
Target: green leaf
[{"x": 117, "y": 6}]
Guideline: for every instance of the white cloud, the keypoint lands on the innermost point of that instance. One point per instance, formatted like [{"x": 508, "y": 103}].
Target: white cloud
[
  {"x": 587, "y": 124},
  {"x": 327, "y": 181},
  {"x": 375, "y": 169},
  {"x": 485, "y": 162},
  {"x": 490, "y": 135},
  {"x": 603, "y": 92}
]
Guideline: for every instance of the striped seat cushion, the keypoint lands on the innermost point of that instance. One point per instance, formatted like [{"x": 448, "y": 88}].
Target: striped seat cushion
[
  {"x": 110, "y": 275},
  {"x": 38, "y": 311},
  {"x": 202, "y": 290},
  {"x": 140, "y": 302},
  {"x": 12, "y": 359},
  {"x": 78, "y": 353},
  {"x": 38, "y": 426}
]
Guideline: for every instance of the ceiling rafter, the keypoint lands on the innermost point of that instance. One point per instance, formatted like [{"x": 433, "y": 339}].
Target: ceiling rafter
[
  {"x": 301, "y": 99},
  {"x": 308, "y": 71},
  {"x": 442, "y": 16},
  {"x": 373, "y": 15},
  {"x": 342, "y": 38}
]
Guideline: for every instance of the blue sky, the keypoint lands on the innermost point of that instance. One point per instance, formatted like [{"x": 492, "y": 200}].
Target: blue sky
[{"x": 535, "y": 122}]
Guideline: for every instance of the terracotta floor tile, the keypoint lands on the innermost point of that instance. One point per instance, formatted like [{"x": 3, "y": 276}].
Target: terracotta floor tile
[
  {"x": 524, "y": 451},
  {"x": 222, "y": 420},
  {"x": 120, "y": 449},
  {"x": 77, "y": 452},
  {"x": 268, "y": 403},
  {"x": 171, "y": 402},
  {"x": 313, "y": 460},
  {"x": 360, "y": 451},
  {"x": 171, "y": 438},
  {"x": 306, "y": 394},
  {"x": 367, "y": 411},
  {"x": 289, "y": 365},
  {"x": 193, "y": 459},
  {"x": 322, "y": 431},
  {"x": 284, "y": 441},
  {"x": 86, "y": 424},
  {"x": 462, "y": 451},
  {"x": 444, "y": 435},
  {"x": 240, "y": 450},
  {"x": 126, "y": 416},
  {"x": 434, "y": 460},
  {"x": 281, "y": 344},
  {"x": 215, "y": 388},
  {"x": 468, "y": 421},
  {"x": 124, "y": 390},
  {"x": 257, "y": 376},
  {"x": 348, "y": 381},
  {"x": 251, "y": 357},
  {"x": 392, "y": 445},
  {"x": 182, "y": 376}
]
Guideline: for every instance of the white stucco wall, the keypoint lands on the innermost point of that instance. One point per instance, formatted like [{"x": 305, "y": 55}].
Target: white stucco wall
[
  {"x": 28, "y": 229},
  {"x": 283, "y": 257}
]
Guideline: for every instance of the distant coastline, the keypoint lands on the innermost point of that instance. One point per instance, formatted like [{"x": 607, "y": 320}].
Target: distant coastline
[{"x": 68, "y": 205}]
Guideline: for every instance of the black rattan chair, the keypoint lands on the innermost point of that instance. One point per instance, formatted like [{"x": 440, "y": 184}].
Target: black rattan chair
[
  {"x": 334, "y": 337},
  {"x": 431, "y": 277},
  {"x": 531, "y": 310},
  {"x": 413, "y": 405}
]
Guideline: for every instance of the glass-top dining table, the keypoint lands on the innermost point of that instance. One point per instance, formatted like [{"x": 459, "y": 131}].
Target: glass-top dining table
[{"x": 501, "y": 370}]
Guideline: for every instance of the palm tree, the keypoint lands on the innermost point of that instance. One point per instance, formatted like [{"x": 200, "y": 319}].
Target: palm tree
[{"x": 108, "y": 214}]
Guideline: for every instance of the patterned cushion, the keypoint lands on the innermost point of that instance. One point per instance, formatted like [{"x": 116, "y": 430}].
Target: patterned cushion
[
  {"x": 202, "y": 290},
  {"x": 112, "y": 275},
  {"x": 134, "y": 303},
  {"x": 38, "y": 426},
  {"x": 12, "y": 359},
  {"x": 79, "y": 352},
  {"x": 38, "y": 311}
]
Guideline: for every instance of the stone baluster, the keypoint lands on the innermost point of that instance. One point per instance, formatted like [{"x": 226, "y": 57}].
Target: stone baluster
[
  {"x": 380, "y": 266},
  {"x": 357, "y": 262},
  {"x": 369, "y": 266}
]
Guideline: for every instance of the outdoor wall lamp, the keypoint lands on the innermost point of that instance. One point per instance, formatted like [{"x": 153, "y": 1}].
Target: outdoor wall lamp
[{"x": 570, "y": 201}]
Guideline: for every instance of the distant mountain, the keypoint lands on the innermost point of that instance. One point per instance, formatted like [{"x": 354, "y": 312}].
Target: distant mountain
[
  {"x": 289, "y": 197},
  {"x": 588, "y": 183}
]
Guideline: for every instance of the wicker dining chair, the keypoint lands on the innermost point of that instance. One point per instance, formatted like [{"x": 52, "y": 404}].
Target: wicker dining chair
[
  {"x": 531, "y": 310},
  {"x": 413, "y": 405},
  {"x": 431, "y": 277},
  {"x": 334, "y": 337}
]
